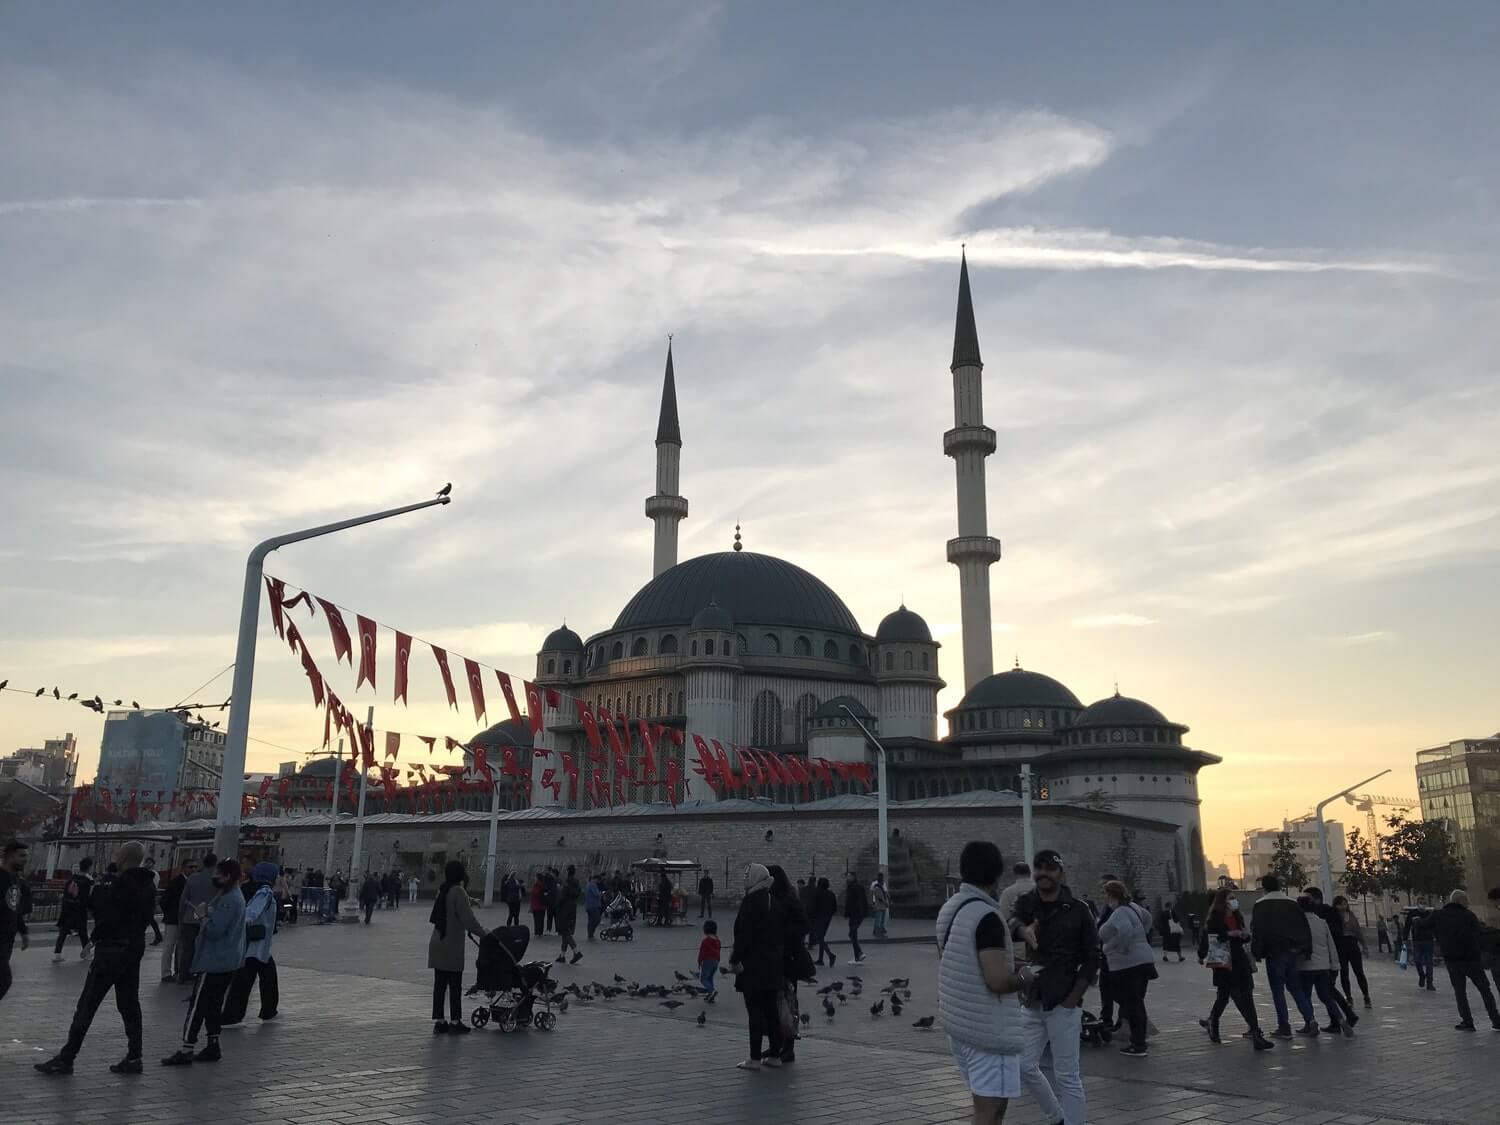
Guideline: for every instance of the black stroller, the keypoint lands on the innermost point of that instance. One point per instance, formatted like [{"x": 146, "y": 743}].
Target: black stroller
[
  {"x": 617, "y": 925},
  {"x": 517, "y": 994}
]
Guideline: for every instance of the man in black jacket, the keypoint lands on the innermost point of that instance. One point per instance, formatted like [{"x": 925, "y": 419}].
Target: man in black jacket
[
  {"x": 706, "y": 895},
  {"x": 73, "y": 915},
  {"x": 122, "y": 911},
  {"x": 15, "y": 904},
  {"x": 1457, "y": 931}
]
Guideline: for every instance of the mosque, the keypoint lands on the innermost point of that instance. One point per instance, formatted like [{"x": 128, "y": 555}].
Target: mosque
[{"x": 751, "y": 649}]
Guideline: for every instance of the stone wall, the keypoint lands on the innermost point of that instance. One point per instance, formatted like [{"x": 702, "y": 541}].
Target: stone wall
[{"x": 826, "y": 843}]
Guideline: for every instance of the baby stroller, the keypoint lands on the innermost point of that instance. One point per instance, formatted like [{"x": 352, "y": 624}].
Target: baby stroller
[
  {"x": 513, "y": 990},
  {"x": 1094, "y": 1032},
  {"x": 617, "y": 925}
]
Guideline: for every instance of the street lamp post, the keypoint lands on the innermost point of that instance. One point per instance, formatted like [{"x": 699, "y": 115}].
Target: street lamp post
[
  {"x": 1325, "y": 866},
  {"x": 489, "y": 855},
  {"x": 882, "y": 798},
  {"x": 232, "y": 780},
  {"x": 1027, "y": 841}
]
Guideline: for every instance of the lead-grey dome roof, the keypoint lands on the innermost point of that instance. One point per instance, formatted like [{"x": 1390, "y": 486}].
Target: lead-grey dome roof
[
  {"x": 1119, "y": 709},
  {"x": 752, "y": 589},
  {"x": 507, "y": 733},
  {"x": 562, "y": 640},
  {"x": 713, "y": 616},
  {"x": 1019, "y": 688},
  {"x": 903, "y": 625},
  {"x": 833, "y": 709}
]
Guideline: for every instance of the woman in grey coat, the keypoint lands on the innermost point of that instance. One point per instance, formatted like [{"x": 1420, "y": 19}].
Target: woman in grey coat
[
  {"x": 1132, "y": 965},
  {"x": 451, "y": 919}
]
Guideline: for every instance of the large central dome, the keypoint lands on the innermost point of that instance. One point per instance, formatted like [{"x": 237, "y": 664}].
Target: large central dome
[{"x": 754, "y": 589}]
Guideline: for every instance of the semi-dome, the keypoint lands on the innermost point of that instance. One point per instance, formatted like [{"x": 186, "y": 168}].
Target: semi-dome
[
  {"x": 713, "y": 616},
  {"x": 903, "y": 625},
  {"x": 511, "y": 732},
  {"x": 752, "y": 589},
  {"x": 1019, "y": 688},
  {"x": 834, "y": 709},
  {"x": 1118, "y": 709},
  {"x": 562, "y": 640}
]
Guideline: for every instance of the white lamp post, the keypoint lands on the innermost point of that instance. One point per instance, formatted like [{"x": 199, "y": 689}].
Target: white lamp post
[
  {"x": 1325, "y": 867},
  {"x": 882, "y": 797},
  {"x": 232, "y": 781}
]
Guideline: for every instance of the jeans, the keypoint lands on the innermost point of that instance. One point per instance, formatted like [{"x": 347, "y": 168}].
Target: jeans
[
  {"x": 170, "y": 932},
  {"x": 1284, "y": 975},
  {"x": 411, "y": 895},
  {"x": 237, "y": 1000},
  {"x": 451, "y": 984},
  {"x": 708, "y": 975},
  {"x": 1061, "y": 1099},
  {"x": 208, "y": 1006},
  {"x": 1460, "y": 973},
  {"x": 765, "y": 1022},
  {"x": 880, "y": 918},
  {"x": 854, "y": 924},
  {"x": 1320, "y": 981},
  {"x": 1350, "y": 957},
  {"x": 594, "y": 914},
  {"x": 1421, "y": 959},
  {"x": 1129, "y": 986},
  {"x": 126, "y": 981}
]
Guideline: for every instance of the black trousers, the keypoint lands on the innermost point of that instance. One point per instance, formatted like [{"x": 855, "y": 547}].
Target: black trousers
[
  {"x": 237, "y": 999},
  {"x": 72, "y": 922},
  {"x": 512, "y": 913},
  {"x": 207, "y": 1007},
  {"x": 820, "y": 936},
  {"x": 1240, "y": 994},
  {"x": 1351, "y": 958},
  {"x": 1129, "y": 988},
  {"x": 551, "y": 918},
  {"x": 451, "y": 984},
  {"x": 126, "y": 981},
  {"x": 707, "y": 904},
  {"x": 1106, "y": 995},
  {"x": 6, "y": 946},
  {"x": 765, "y": 1022},
  {"x": 369, "y": 909},
  {"x": 187, "y": 942},
  {"x": 1460, "y": 973},
  {"x": 537, "y": 919}
]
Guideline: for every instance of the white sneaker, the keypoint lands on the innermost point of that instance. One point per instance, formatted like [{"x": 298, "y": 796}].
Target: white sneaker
[
  {"x": 57, "y": 958},
  {"x": 856, "y": 960}
]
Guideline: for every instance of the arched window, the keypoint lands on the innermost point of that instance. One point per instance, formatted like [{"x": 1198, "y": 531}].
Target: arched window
[
  {"x": 658, "y": 700},
  {"x": 807, "y": 703},
  {"x": 890, "y": 662},
  {"x": 640, "y": 647},
  {"x": 1010, "y": 720},
  {"x": 772, "y": 643},
  {"x": 551, "y": 666},
  {"x": 830, "y": 651},
  {"x": 1054, "y": 720},
  {"x": 765, "y": 720},
  {"x": 708, "y": 647},
  {"x": 681, "y": 703},
  {"x": 926, "y": 661},
  {"x": 1116, "y": 736},
  {"x": 618, "y": 651},
  {"x": 695, "y": 648},
  {"x": 908, "y": 662},
  {"x": 567, "y": 667},
  {"x": 742, "y": 646},
  {"x": 855, "y": 655},
  {"x": 669, "y": 645},
  {"x": 802, "y": 647}
]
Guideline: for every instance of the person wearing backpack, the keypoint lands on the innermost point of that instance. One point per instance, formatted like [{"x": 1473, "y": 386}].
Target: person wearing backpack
[{"x": 73, "y": 916}]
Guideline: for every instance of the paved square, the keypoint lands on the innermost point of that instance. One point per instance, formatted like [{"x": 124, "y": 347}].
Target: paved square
[{"x": 354, "y": 1044}]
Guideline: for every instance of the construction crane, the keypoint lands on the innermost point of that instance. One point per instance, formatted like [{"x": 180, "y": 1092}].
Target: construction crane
[{"x": 1367, "y": 803}]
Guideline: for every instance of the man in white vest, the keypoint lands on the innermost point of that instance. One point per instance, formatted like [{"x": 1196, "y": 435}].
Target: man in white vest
[{"x": 979, "y": 987}]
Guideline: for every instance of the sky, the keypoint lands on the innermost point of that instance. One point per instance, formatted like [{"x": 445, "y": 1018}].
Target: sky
[{"x": 262, "y": 267}]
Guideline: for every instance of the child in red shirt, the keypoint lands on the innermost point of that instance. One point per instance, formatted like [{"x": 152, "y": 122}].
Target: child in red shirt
[{"x": 708, "y": 959}]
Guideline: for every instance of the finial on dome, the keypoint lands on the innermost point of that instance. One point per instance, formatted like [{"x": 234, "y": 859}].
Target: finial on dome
[
  {"x": 1117, "y": 689},
  {"x": 738, "y": 546},
  {"x": 1017, "y": 668}
]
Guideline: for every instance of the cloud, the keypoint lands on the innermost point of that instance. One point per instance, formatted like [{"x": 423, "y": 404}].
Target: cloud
[
  {"x": 1111, "y": 621},
  {"x": 1375, "y": 636}
]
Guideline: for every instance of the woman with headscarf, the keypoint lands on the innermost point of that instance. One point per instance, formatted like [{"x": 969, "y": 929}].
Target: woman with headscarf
[
  {"x": 260, "y": 927},
  {"x": 796, "y": 962},
  {"x": 451, "y": 919},
  {"x": 756, "y": 964}
]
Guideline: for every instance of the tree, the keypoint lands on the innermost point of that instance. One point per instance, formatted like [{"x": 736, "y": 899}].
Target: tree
[
  {"x": 1284, "y": 862},
  {"x": 1421, "y": 857},
  {"x": 1362, "y": 873}
]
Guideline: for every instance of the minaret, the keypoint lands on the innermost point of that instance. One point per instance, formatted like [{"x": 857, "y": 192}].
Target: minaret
[
  {"x": 666, "y": 508},
  {"x": 969, "y": 442}
]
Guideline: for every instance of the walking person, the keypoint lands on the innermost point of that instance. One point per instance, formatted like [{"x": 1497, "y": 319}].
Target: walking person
[
  {"x": 807, "y": 894},
  {"x": 1421, "y": 937},
  {"x": 756, "y": 964},
  {"x": 593, "y": 903},
  {"x": 825, "y": 909},
  {"x": 664, "y": 899},
  {"x": 1317, "y": 969},
  {"x": 710, "y": 950},
  {"x": 1132, "y": 964},
  {"x": 1060, "y": 933},
  {"x": 369, "y": 896},
  {"x": 451, "y": 919},
  {"x": 1225, "y": 950},
  {"x": 569, "y": 895},
  {"x": 1171, "y": 934},
  {"x": 150, "y": 866},
  {"x": 880, "y": 904},
  {"x": 218, "y": 954},
  {"x": 551, "y": 885},
  {"x": 1382, "y": 935},
  {"x": 979, "y": 985},
  {"x": 73, "y": 914},
  {"x": 706, "y": 895},
  {"x": 122, "y": 912},
  {"x": 1458, "y": 935},
  {"x": 1280, "y": 937},
  {"x": 259, "y": 965},
  {"x": 796, "y": 962},
  {"x": 197, "y": 891},
  {"x": 510, "y": 894},
  {"x": 15, "y": 904},
  {"x": 856, "y": 909},
  {"x": 1107, "y": 1014},
  {"x": 1351, "y": 945},
  {"x": 538, "y": 904},
  {"x": 411, "y": 889},
  {"x": 171, "y": 910}
]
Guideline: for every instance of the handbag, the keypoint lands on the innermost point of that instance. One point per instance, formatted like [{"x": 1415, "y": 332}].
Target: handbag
[
  {"x": 255, "y": 932},
  {"x": 1219, "y": 954}
]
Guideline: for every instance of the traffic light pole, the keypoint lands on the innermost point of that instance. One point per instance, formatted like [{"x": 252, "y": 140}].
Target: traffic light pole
[{"x": 1027, "y": 843}]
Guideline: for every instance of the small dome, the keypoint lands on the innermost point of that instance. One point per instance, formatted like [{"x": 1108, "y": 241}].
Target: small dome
[
  {"x": 563, "y": 640},
  {"x": 1019, "y": 688},
  {"x": 507, "y": 733},
  {"x": 903, "y": 625},
  {"x": 1118, "y": 709},
  {"x": 713, "y": 616},
  {"x": 833, "y": 709}
]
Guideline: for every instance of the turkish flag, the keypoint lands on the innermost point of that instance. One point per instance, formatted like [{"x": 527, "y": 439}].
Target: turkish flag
[
  {"x": 367, "y": 630},
  {"x": 749, "y": 767},
  {"x": 265, "y": 786},
  {"x": 822, "y": 772},
  {"x": 617, "y": 747},
  {"x": 275, "y": 590},
  {"x": 367, "y": 747},
  {"x": 673, "y": 777},
  {"x": 283, "y": 787},
  {"x": 293, "y": 638},
  {"x": 511, "y": 768},
  {"x": 301, "y": 599},
  {"x": 533, "y": 706},
  {"x": 343, "y": 647},
  {"x": 403, "y": 658},
  {"x": 552, "y": 697},
  {"x": 431, "y": 741},
  {"x": 476, "y": 687},
  {"x": 549, "y": 781},
  {"x": 442, "y": 662},
  {"x": 708, "y": 765},
  {"x": 392, "y": 743},
  {"x": 586, "y": 717},
  {"x": 482, "y": 763},
  {"x": 510, "y": 696},
  {"x": 314, "y": 677},
  {"x": 328, "y": 721},
  {"x": 648, "y": 753}
]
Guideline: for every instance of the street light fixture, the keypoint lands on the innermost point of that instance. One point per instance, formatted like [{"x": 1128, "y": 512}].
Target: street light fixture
[
  {"x": 1325, "y": 869},
  {"x": 881, "y": 796},
  {"x": 232, "y": 782}
]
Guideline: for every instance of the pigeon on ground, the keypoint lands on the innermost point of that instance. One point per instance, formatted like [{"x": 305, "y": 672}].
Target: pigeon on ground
[
  {"x": 562, "y": 1005},
  {"x": 825, "y": 990},
  {"x": 619, "y": 979},
  {"x": 680, "y": 976},
  {"x": 842, "y": 998},
  {"x": 119, "y": 703},
  {"x": 900, "y": 982},
  {"x": 828, "y": 1008},
  {"x": 906, "y": 994},
  {"x": 671, "y": 1004},
  {"x": 877, "y": 1007},
  {"x": 925, "y": 1023},
  {"x": 702, "y": 1018},
  {"x": 806, "y": 1018}
]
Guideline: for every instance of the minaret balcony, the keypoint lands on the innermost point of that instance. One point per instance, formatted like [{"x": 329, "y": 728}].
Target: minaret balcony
[
  {"x": 671, "y": 506},
  {"x": 985, "y": 548},
  {"x": 961, "y": 438}
]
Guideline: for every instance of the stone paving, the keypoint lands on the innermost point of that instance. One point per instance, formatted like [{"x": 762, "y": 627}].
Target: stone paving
[{"x": 354, "y": 1045}]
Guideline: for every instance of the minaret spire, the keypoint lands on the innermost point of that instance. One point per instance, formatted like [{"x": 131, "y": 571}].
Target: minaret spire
[
  {"x": 666, "y": 508},
  {"x": 969, "y": 443}
]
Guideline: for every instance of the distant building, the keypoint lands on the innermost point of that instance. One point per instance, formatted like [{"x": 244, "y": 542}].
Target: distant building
[
  {"x": 1260, "y": 846},
  {"x": 156, "y": 753},
  {"x": 47, "y": 768},
  {"x": 1460, "y": 784}
]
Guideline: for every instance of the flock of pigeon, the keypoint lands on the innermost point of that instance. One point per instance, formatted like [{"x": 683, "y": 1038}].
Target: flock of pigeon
[
  {"x": 96, "y": 704},
  {"x": 894, "y": 995}
]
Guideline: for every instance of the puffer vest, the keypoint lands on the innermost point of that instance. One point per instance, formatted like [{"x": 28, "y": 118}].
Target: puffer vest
[{"x": 970, "y": 1012}]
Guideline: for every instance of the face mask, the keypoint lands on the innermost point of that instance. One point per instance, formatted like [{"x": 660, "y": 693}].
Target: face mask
[
  {"x": 1234, "y": 904},
  {"x": 218, "y": 882}
]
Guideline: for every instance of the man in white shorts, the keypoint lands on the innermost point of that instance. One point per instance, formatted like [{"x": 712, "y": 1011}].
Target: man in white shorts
[{"x": 978, "y": 985}]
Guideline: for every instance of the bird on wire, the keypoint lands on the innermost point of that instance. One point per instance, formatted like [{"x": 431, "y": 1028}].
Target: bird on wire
[
  {"x": 3, "y": 683},
  {"x": 136, "y": 705},
  {"x": 446, "y": 489},
  {"x": 72, "y": 697},
  {"x": 925, "y": 1023},
  {"x": 41, "y": 691},
  {"x": 56, "y": 694}
]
